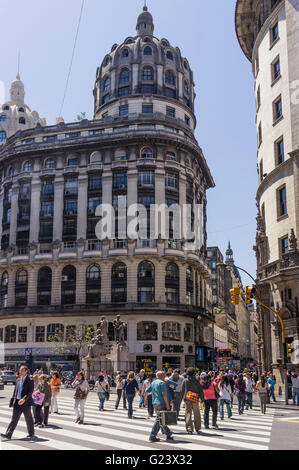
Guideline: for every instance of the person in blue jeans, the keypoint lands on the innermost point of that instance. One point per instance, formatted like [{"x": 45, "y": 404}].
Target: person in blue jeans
[
  {"x": 160, "y": 399},
  {"x": 225, "y": 393},
  {"x": 100, "y": 387},
  {"x": 295, "y": 384},
  {"x": 130, "y": 387},
  {"x": 271, "y": 382}
]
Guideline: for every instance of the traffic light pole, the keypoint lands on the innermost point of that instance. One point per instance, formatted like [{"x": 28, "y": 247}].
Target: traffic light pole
[{"x": 285, "y": 357}]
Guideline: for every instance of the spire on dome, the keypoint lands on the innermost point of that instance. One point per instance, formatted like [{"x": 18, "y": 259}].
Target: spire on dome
[
  {"x": 229, "y": 255},
  {"x": 17, "y": 91},
  {"x": 145, "y": 24}
]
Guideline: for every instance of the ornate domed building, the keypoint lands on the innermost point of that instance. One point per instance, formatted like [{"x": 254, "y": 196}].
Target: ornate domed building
[
  {"x": 15, "y": 114},
  {"x": 56, "y": 276}
]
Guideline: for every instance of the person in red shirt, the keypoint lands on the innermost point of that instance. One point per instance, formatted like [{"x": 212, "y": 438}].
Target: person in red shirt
[{"x": 211, "y": 391}]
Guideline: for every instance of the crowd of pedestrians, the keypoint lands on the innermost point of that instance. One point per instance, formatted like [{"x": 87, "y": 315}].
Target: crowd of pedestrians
[{"x": 207, "y": 392}]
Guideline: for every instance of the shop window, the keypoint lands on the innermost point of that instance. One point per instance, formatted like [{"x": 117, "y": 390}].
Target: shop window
[
  {"x": 147, "y": 331},
  {"x": 11, "y": 334},
  {"x": 22, "y": 334},
  {"x": 171, "y": 331},
  {"x": 55, "y": 332},
  {"x": 188, "y": 333},
  {"x": 40, "y": 334}
]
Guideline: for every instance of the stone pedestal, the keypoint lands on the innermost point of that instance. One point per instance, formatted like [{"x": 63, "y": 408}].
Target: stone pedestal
[
  {"x": 98, "y": 364},
  {"x": 120, "y": 357}
]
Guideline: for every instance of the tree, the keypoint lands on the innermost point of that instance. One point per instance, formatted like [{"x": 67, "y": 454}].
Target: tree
[
  {"x": 74, "y": 341},
  {"x": 81, "y": 116}
]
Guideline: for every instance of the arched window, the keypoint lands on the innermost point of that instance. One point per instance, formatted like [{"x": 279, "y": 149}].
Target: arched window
[
  {"x": 95, "y": 157},
  {"x": 2, "y": 136},
  {"x": 119, "y": 283},
  {"x": 55, "y": 332},
  {"x": 50, "y": 163},
  {"x": 146, "y": 282},
  {"x": 11, "y": 334},
  {"x": 21, "y": 110},
  {"x": 148, "y": 74},
  {"x": 147, "y": 331},
  {"x": 11, "y": 171},
  {"x": 172, "y": 283},
  {"x": 124, "y": 76},
  {"x": 169, "y": 78},
  {"x": 171, "y": 156},
  {"x": 21, "y": 287},
  {"x": 125, "y": 53},
  {"x": 4, "y": 290},
  {"x": 148, "y": 51},
  {"x": 106, "y": 85},
  {"x": 3, "y": 118},
  {"x": 146, "y": 153},
  {"x": 22, "y": 120},
  {"x": 93, "y": 284},
  {"x": 106, "y": 61},
  {"x": 171, "y": 331},
  {"x": 44, "y": 286},
  {"x": 68, "y": 285},
  {"x": 27, "y": 166},
  {"x": 169, "y": 55}
]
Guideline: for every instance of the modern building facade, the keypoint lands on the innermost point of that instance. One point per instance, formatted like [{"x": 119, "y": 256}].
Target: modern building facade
[
  {"x": 268, "y": 32},
  {"x": 56, "y": 276}
]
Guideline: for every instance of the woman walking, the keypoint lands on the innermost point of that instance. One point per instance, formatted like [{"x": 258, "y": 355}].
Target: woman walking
[
  {"x": 192, "y": 393},
  {"x": 240, "y": 391},
  {"x": 81, "y": 392},
  {"x": 225, "y": 392},
  {"x": 262, "y": 387},
  {"x": 55, "y": 384},
  {"x": 149, "y": 401},
  {"x": 101, "y": 389},
  {"x": 42, "y": 411},
  {"x": 130, "y": 387},
  {"x": 119, "y": 389},
  {"x": 210, "y": 391}
]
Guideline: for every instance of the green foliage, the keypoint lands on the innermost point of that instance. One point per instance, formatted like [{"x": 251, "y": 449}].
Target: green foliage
[{"x": 81, "y": 116}]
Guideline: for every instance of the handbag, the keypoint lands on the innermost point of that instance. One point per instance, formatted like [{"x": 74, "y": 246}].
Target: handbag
[
  {"x": 80, "y": 394},
  {"x": 168, "y": 418},
  {"x": 192, "y": 397},
  {"x": 38, "y": 398}
]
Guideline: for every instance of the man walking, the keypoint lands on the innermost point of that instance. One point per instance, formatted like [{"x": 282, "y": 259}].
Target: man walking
[
  {"x": 158, "y": 388},
  {"x": 21, "y": 403}
]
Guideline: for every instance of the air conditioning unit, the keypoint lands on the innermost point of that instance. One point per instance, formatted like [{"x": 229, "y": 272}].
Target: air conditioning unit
[
  {"x": 64, "y": 278},
  {"x": 122, "y": 186}
]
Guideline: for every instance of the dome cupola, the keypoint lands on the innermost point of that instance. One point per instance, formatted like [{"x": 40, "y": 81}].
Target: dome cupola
[{"x": 145, "y": 25}]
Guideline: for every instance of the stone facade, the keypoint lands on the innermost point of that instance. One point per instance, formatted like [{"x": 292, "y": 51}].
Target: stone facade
[
  {"x": 55, "y": 273},
  {"x": 268, "y": 33}
]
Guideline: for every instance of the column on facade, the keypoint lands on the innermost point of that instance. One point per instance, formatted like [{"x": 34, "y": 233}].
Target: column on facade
[
  {"x": 58, "y": 207},
  {"x": 81, "y": 283},
  {"x": 56, "y": 285},
  {"x": 106, "y": 282},
  {"x": 181, "y": 85},
  {"x": 82, "y": 206},
  {"x": 113, "y": 82},
  {"x": 160, "y": 193},
  {"x": 160, "y": 76},
  {"x": 1, "y": 211},
  {"x": 132, "y": 190},
  {"x": 135, "y": 68},
  {"x": 194, "y": 277},
  {"x": 14, "y": 214},
  {"x": 132, "y": 268},
  {"x": 182, "y": 193},
  {"x": 160, "y": 281},
  {"x": 182, "y": 268},
  {"x": 11, "y": 287},
  {"x": 34, "y": 209},
  {"x": 32, "y": 286}
]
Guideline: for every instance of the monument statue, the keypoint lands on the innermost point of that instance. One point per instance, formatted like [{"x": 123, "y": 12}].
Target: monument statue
[
  {"x": 99, "y": 343},
  {"x": 119, "y": 330}
]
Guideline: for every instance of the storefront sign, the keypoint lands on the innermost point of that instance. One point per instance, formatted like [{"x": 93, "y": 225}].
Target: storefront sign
[
  {"x": 206, "y": 334},
  {"x": 200, "y": 355},
  {"x": 171, "y": 348}
]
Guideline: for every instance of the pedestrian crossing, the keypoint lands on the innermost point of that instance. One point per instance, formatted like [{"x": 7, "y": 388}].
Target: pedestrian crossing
[{"x": 112, "y": 430}]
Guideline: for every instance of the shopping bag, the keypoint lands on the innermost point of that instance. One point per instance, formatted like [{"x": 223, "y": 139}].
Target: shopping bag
[{"x": 38, "y": 398}]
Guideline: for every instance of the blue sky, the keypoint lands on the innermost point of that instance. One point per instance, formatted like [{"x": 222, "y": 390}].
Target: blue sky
[{"x": 44, "y": 31}]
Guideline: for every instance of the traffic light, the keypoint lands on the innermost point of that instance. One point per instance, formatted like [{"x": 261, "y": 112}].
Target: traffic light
[
  {"x": 235, "y": 295},
  {"x": 249, "y": 292},
  {"x": 89, "y": 362},
  {"x": 289, "y": 351}
]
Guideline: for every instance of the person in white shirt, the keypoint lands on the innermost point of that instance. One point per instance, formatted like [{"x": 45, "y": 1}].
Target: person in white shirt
[
  {"x": 225, "y": 392},
  {"x": 178, "y": 397},
  {"x": 249, "y": 391}
]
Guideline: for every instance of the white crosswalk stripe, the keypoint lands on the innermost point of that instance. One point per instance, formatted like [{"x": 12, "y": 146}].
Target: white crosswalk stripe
[{"x": 111, "y": 430}]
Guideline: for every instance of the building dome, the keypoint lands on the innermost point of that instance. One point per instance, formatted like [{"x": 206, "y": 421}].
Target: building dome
[
  {"x": 15, "y": 115},
  {"x": 145, "y": 68}
]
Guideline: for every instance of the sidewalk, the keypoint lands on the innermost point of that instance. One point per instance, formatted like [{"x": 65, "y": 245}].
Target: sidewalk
[{"x": 280, "y": 404}]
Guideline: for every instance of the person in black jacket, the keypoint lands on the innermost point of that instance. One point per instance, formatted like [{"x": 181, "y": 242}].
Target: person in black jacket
[
  {"x": 192, "y": 392},
  {"x": 21, "y": 403}
]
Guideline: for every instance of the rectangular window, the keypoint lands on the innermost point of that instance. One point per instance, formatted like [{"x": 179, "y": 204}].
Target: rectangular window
[
  {"x": 282, "y": 201},
  {"x": 146, "y": 178},
  {"x": 274, "y": 33},
  {"x": 22, "y": 334},
  {"x": 172, "y": 180},
  {"x": 275, "y": 68},
  {"x": 148, "y": 89},
  {"x": 284, "y": 244},
  {"x": 279, "y": 151},
  {"x": 124, "y": 110},
  {"x": 70, "y": 207},
  {"x": 124, "y": 91},
  {"x": 71, "y": 186},
  {"x": 120, "y": 181},
  {"x": 147, "y": 109},
  {"x": 277, "y": 109},
  {"x": 187, "y": 120},
  {"x": 260, "y": 134},
  {"x": 40, "y": 334},
  {"x": 170, "y": 112}
]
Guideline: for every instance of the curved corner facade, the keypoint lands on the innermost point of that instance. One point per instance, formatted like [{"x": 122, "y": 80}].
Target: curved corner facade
[
  {"x": 268, "y": 32},
  {"x": 55, "y": 274}
]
